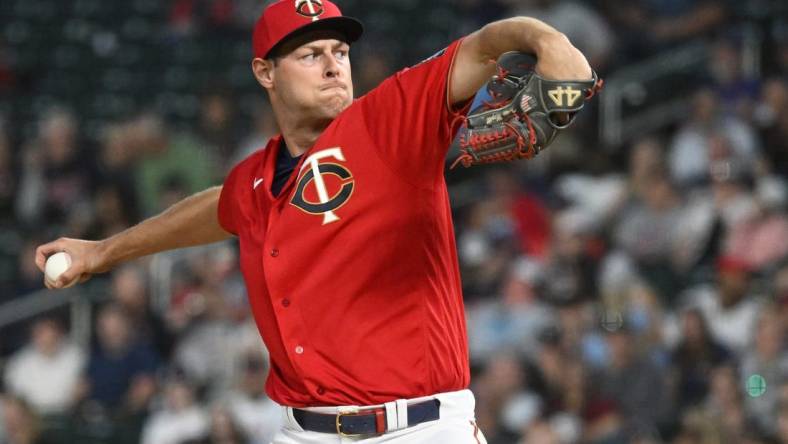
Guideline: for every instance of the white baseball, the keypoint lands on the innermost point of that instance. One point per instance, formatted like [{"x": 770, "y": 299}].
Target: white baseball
[{"x": 56, "y": 265}]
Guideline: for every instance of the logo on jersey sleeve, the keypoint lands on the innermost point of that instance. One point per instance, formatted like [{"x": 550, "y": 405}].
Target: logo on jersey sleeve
[
  {"x": 323, "y": 187},
  {"x": 309, "y": 8}
]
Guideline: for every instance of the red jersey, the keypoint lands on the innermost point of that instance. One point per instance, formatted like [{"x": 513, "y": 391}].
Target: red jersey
[{"x": 352, "y": 270}]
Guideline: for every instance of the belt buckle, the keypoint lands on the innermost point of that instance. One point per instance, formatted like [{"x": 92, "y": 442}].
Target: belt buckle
[{"x": 351, "y": 412}]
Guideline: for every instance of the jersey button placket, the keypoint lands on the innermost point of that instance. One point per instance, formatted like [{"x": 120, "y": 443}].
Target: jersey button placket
[{"x": 274, "y": 252}]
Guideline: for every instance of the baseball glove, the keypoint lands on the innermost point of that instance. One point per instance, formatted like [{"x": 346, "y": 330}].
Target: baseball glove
[{"x": 525, "y": 114}]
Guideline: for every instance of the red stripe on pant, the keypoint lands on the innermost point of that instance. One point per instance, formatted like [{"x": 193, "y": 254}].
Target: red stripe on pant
[{"x": 380, "y": 421}]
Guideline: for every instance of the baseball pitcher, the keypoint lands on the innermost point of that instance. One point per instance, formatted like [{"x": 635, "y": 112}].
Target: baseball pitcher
[{"x": 344, "y": 224}]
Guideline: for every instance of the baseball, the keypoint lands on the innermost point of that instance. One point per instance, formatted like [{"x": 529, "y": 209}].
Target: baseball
[{"x": 56, "y": 265}]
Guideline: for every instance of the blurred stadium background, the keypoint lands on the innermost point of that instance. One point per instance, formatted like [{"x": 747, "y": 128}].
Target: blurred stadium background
[{"x": 628, "y": 286}]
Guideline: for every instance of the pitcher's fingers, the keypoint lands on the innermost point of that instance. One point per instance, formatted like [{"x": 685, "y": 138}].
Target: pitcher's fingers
[
  {"x": 73, "y": 272},
  {"x": 41, "y": 258},
  {"x": 46, "y": 250}
]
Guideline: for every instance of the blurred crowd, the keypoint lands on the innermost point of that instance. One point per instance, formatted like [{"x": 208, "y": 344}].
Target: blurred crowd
[{"x": 626, "y": 294}]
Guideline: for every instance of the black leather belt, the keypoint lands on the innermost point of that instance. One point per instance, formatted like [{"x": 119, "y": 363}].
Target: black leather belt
[{"x": 367, "y": 422}]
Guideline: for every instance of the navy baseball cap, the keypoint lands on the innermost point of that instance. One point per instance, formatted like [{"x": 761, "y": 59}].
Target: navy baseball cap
[{"x": 286, "y": 19}]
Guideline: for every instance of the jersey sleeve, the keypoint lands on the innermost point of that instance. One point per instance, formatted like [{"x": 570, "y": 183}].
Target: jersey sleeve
[
  {"x": 228, "y": 202},
  {"x": 234, "y": 197},
  {"x": 409, "y": 119}
]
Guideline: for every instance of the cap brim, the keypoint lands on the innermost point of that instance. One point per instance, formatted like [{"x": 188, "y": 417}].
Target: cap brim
[{"x": 347, "y": 26}]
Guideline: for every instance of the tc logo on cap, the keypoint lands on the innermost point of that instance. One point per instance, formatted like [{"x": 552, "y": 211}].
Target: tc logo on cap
[{"x": 309, "y": 8}]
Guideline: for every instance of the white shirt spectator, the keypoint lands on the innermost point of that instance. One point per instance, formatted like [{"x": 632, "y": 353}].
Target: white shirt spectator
[
  {"x": 175, "y": 427},
  {"x": 734, "y": 326},
  {"x": 46, "y": 382},
  {"x": 259, "y": 418},
  {"x": 211, "y": 351},
  {"x": 689, "y": 152}
]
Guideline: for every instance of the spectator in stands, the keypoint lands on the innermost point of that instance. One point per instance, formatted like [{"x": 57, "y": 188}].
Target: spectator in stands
[
  {"x": 130, "y": 292},
  {"x": 772, "y": 102},
  {"x": 575, "y": 252},
  {"x": 632, "y": 381},
  {"x": 165, "y": 156},
  {"x": 760, "y": 239},
  {"x": 713, "y": 213},
  {"x": 218, "y": 126},
  {"x": 120, "y": 370},
  {"x": 512, "y": 320},
  {"x": 507, "y": 223},
  {"x": 181, "y": 419},
  {"x": 696, "y": 426},
  {"x": 111, "y": 215},
  {"x": 646, "y": 160},
  {"x": 255, "y": 414},
  {"x": 46, "y": 372},
  {"x": 218, "y": 323},
  {"x": 604, "y": 422},
  {"x": 724, "y": 405},
  {"x": 730, "y": 192},
  {"x": 20, "y": 423},
  {"x": 648, "y": 231},
  {"x": 220, "y": 276},
  {"x": 56, "y": 178},
  {"x": 709, "y": 133},
  {"x": 486, "y": 247},
  {"x": 694, "y": 358},
  {"x": 116, "y": 167},
  {"x": 556, "y": 370},
  {"x": 728, "y": 306},
  {"x": 224, "y": 430},
  {"x": 264, "y": 126},
  {"x": 540, "y": 432},
  {"x": 736, "y": 90},
  {"x": 502, "y": 380},
  {"x": 526, "y": 210}
]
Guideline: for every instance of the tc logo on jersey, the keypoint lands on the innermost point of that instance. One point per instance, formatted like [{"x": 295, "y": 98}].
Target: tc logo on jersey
[
  {"x": 333, "y": 185},
  {"x": 558, "y": 94},
  {"x": 309, "y": 8}
]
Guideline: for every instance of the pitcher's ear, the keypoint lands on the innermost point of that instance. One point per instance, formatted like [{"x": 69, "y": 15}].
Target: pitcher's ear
[{"x": 263, "y": 70}]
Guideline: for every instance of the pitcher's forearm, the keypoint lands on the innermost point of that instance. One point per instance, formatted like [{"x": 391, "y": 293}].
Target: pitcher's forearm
[
  {"x": 475, "y": 63},
  {"x": 515, "y": 34},
  {"x": 192, "y": 221}
]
